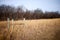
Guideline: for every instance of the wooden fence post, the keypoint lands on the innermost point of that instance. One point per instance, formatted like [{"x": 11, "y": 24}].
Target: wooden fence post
[
  {"x": 24, "y": 19},
  {"x": 12, "y": 24},
  {"x": 8, "y": 23}
]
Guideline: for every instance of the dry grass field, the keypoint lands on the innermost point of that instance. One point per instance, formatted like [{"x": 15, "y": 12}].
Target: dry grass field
[{"x": 42, "y": 29}]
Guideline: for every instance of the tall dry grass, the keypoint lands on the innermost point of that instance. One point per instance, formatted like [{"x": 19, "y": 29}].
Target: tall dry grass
[{"x": 42, "y": 29}]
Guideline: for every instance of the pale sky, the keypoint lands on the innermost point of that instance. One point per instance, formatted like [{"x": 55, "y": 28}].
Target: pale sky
[{"x": 45, "y": 5}]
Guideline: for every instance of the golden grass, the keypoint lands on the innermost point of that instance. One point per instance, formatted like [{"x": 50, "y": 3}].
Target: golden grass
[{"x": 42, "y": 29}]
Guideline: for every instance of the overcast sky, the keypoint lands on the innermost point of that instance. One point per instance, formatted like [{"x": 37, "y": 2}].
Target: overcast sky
[{"x": 45, "y": 5}]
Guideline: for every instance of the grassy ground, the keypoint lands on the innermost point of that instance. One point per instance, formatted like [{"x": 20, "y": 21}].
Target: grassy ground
[{"x": 42, "y": 29}]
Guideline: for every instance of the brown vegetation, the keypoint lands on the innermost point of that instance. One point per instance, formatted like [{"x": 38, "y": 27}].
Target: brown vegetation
[{"x": 42, "y": 29}]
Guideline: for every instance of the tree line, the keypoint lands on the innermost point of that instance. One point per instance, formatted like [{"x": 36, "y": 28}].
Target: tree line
[{"x": 18, "y": 13}]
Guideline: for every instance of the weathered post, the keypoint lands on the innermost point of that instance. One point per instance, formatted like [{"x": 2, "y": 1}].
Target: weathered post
[
  {"x": 12, "y": 25},
  {"x": 8, "y": 26},
  {"x": 8, "y": 23},
  {"x": 24, "y": 19}
]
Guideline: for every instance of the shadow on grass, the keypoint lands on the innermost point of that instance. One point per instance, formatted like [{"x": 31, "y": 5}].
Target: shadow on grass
[{"x": 57, "y": 36}]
